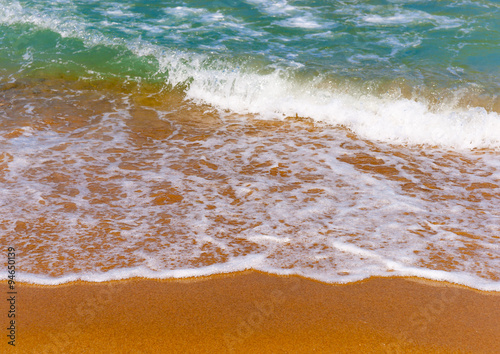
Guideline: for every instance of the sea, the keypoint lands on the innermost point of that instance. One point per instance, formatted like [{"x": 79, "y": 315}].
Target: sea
[{"x": 334, "y": 140}]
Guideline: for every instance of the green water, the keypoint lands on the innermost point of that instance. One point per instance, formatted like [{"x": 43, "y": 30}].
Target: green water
[{"x": 444, "y": 44}]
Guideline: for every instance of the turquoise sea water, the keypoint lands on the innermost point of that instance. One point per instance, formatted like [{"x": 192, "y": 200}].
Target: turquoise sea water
[
  {"x": 427, "y": 45},
  {"x": 371, "y": 128}
]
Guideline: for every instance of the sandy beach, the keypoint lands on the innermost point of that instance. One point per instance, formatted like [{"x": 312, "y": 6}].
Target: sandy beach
[{"x": 254, "y": 312}]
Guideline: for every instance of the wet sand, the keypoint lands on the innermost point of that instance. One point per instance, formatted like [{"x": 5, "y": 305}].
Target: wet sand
[{"x": 253, "y": 312}]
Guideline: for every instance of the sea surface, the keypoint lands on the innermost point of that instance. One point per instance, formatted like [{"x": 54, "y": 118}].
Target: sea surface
[{"x": 336, "y": 140}]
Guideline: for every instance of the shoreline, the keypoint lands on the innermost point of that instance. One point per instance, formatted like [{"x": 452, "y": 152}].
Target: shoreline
[
  {"x": 254, "y": 312},
  {"x": 212, "y": 276}
]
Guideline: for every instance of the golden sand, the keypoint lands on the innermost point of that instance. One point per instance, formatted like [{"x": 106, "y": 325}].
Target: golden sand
[
  {"x": 244, "y": 312},
  {"x": 254, "y": 313}
]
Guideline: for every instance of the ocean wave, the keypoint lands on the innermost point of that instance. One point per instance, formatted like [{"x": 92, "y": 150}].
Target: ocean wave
[
  {"x": 395, "y": 120},
  {"x": 277, "y": 90}
]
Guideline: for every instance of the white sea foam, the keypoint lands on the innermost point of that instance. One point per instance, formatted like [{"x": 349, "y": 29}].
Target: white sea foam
[
  {"x": 399, "y": 44},
  {"x": 120, "y": 11},
  {"x": 247, "y": 263},
  {"x": 274, "y": 8},
  {"x": 276, "y": 95},
  {"x": 292, "y": 16},
  {"x": 386, "y": 119},
  {"x": 267, "y": 239},
  {"x": 13, "y": 13},
  {"x": 403, "y": 17},
  {"x": 235, "y": 265},
  {"x": 182, "y": 11},
  {"x": 357, "y": 58},
  {"x": 318, "y": 215},
  {"x": 306, "y": 21}
]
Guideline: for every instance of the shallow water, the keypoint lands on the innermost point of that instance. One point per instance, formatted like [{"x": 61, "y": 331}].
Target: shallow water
[{"x": 333, "y": 140}]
